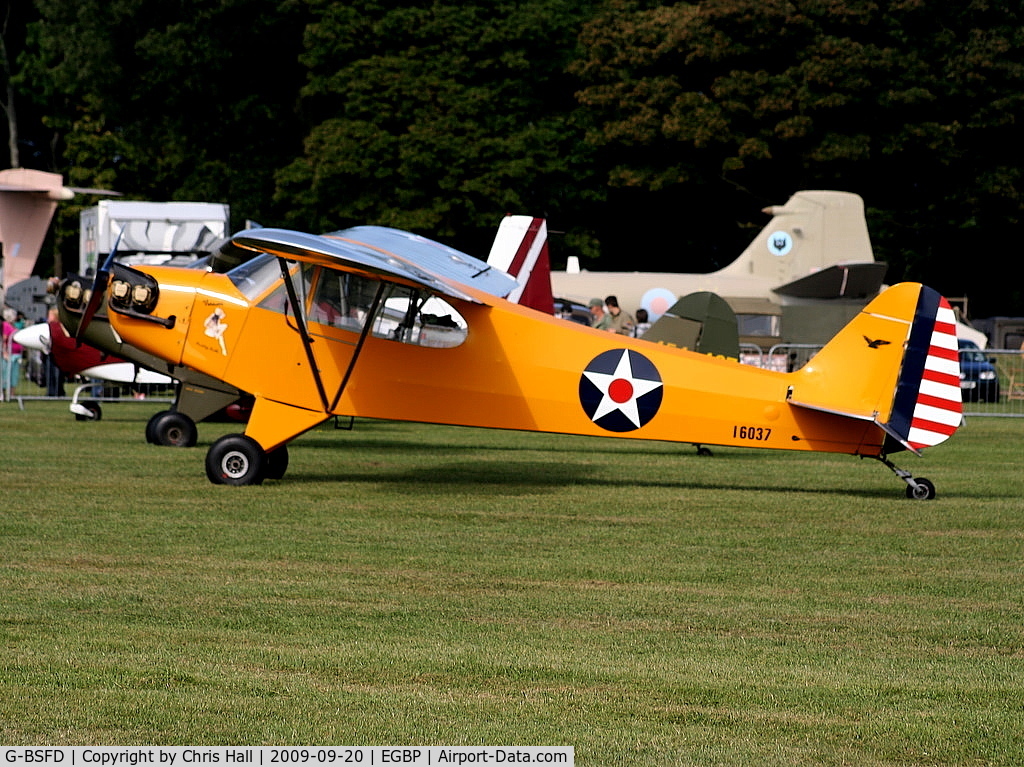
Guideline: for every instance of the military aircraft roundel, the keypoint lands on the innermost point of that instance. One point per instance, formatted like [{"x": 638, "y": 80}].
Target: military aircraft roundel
[{"x": 621, "y": 390}]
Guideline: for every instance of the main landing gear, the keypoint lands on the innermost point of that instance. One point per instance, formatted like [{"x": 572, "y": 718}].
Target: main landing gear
[
  {"x": 171, "y": 429},
  {"x": 236, "y": 459},
  {"x": 918, "y": 488}
]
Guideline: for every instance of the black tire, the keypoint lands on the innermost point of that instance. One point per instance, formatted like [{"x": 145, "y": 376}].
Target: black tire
[
  {"x": 95, "y": 412},
  {"x": 925, "y": 490},
  {"x": 171, "y": 429},
  {"x": 149, "y": 428},
  {"x": 236, "y": 459},
  {"x": 277, "y": 463}
]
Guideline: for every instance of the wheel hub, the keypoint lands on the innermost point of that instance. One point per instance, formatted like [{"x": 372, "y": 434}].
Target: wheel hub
[{"x": 235, "y": 464}]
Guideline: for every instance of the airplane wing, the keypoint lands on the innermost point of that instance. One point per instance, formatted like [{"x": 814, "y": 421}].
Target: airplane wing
[
  {"x": 386, "y": 252},
  {"x": 125, "y": 372},
  {"x": 858, "y": 280},
  {"x": 35, "y": 337}
]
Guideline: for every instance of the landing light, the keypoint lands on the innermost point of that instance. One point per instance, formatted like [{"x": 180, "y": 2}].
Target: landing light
[
  {"x": 73, "y": 295},
  {"x": 133, "y": 295},
  {"x": 119, "y": 290},
  {"x": 142, "y": 296}
]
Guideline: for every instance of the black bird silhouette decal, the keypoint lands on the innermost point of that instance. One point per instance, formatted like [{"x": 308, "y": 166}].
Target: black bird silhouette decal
[{"x": 876, "y": 343}]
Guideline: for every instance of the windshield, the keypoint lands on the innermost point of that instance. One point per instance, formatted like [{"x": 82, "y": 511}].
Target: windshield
[{"x": 255, "y": 276}]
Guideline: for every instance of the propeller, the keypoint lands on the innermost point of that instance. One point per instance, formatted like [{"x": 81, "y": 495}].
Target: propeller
[{"x": 99, "y": 289}]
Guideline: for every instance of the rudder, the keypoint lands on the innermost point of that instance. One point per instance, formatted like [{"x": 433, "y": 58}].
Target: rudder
[
  {"x": 895, "y": 364},
  {"x": 927, "y": 406}
]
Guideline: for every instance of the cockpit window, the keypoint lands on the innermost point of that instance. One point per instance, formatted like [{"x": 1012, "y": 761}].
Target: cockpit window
[
  {"x": 409, "y": 315},
  {"x": 345, "y": 300},
  {"x": 342, "y": 299},
  {"x": 254, "y": 277}
]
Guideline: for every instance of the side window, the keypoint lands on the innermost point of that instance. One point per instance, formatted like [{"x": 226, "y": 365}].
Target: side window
[
  {"x": 342, "y": 300},
  {"x": 417, "y": 317},
  {"x": 765, "y": 325}
]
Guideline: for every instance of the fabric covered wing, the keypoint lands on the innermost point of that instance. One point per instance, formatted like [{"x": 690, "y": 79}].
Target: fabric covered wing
[{"x": 390, "y": 253}]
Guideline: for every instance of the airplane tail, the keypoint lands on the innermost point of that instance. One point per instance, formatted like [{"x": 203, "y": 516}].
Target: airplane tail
[
  {"x": 815, "y": 246},
  {"x": 702, "y": 322},
  {"x": 520, "y": 248},
  {"x": 895, "y": 364},
  {"x": 24, "y": 221}
]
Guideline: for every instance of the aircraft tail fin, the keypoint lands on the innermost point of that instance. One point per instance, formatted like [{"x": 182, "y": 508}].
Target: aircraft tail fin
[
  {"x": 702, "y": 322},
  {"x": 896, "y": 364},
  {"x": 520, "y": 248},
  {"x": 24, "y": 221},
  {"x": 805, "y": 241}
]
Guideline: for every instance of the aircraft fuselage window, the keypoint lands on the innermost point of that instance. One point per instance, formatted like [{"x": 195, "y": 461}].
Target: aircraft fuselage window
[
  {"x": 407, "y": 315},
  {"x": 414, "y": 316},
  {"x": 344, "y": 300},
  {"x": 277, "y": 300}
]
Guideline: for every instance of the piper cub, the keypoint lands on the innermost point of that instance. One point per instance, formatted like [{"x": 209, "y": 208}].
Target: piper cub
[{"x": 380, "y": 323}]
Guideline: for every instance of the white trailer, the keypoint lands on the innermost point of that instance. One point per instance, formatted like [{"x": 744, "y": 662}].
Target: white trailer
[{"x": 150, "y": 232}]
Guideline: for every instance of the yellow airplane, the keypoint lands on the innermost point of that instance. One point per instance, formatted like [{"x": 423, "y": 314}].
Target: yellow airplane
[{"x": 379, "y": 323}]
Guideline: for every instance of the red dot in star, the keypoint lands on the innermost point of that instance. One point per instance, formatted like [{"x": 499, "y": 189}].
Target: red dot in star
[{"x": 620, "y": 390}]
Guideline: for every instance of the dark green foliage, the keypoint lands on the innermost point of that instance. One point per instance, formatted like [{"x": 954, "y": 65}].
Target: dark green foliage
[
  {"x": 186, "y": 100},
  {"x": 910, "y": 104},
  {"x": 652, "y": 134},
  {"x": 438, "y": 117}
]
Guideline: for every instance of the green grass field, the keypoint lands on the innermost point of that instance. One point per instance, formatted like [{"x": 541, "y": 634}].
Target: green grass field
[{"x": 409, "y": 584}]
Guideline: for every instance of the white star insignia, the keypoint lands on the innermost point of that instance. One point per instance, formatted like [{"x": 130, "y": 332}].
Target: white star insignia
[{"x": 620, "y": 390}]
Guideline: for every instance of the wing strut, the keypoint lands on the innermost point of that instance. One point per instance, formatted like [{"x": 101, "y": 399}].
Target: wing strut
[
  {"x": 367, "y": 327},
  {"x": 307, "y": 344}
]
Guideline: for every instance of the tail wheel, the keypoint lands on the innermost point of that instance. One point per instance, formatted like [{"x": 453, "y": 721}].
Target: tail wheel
[
  {"x": 171, "y": 429},
  {"x": 922, "y": 490},
  {"x": 236, "y": 459},
  {"x": 95, "y": 412}
]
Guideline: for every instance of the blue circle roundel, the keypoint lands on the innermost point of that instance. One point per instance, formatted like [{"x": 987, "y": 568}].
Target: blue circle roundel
[{"x": 620, "y": 390}]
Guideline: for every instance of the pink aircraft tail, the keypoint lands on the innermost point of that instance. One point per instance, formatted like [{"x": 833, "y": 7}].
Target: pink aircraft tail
[{"x": 520, "y": 248}]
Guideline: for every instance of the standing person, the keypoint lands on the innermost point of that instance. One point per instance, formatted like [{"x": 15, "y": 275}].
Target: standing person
[
  {"x": 622, "y": 322},
  {"x": 10, "y": 358},
  {"x": 598, "y": 317},
  {"x": 54, "y": 375},
  {"x": 642, "y": 323}
]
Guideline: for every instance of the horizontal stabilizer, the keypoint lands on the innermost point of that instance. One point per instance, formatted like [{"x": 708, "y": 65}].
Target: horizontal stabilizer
[
  {"x": 126, "y": 372},
  {"x": 839, "y": 281}
]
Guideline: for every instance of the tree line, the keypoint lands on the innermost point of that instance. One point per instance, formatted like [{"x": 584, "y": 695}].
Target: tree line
[{"x": 649, "y": 134}]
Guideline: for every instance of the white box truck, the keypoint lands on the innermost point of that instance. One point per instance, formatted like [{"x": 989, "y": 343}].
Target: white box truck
[{"x": 150, "y": 232}]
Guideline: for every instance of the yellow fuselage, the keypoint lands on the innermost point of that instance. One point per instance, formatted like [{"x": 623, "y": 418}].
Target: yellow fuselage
[{"x": 516, "y": 369}]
